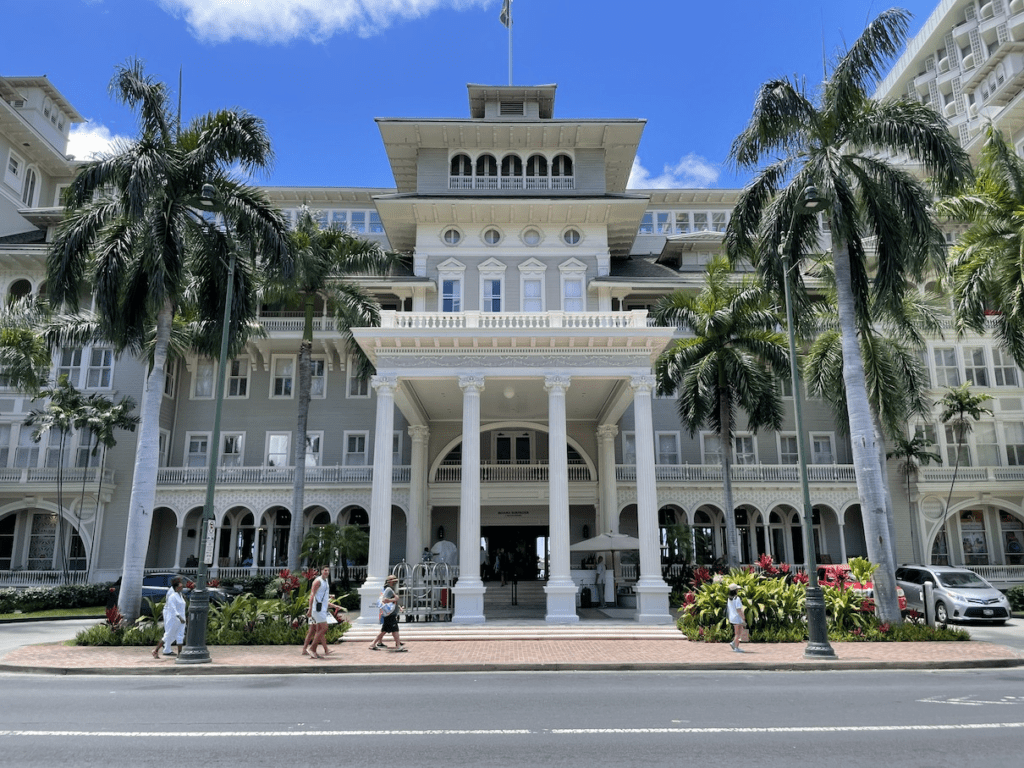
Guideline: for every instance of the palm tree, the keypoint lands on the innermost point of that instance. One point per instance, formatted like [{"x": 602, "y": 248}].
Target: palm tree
[
  {"x": 733, "y": 361},
  {"x": 325, "y": 260},
  {"x": 960, "y": 409},
  {"x": 845, "y": 144},
  {"x": 133, "y": 230},
  {"x": 24, "y": 355},
  {"x": 62, "y": 411},
  {"x": 912, "y": 454},
  {"x": 985, "y": 264},
  {"x": 333, "y": 545}
]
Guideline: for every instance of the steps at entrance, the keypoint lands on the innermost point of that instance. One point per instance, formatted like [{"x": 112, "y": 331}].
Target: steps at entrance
[{"x": 525, "y": 621}]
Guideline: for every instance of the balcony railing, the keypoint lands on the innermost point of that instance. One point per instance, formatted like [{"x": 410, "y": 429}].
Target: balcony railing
[
  {"x": 758, "y": 473},
  {"x": 40, "y": 578},
  {"x": 493, "y": 183},
  {"x": 455, "y": 321},
  {"x": 276, "y": 475},
  {"x": 37, "y": 475},
  {"x": 511, "y": 473}
]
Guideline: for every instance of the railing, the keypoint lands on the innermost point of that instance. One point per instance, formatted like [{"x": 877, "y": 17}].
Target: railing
[
  {"x": 558, "y": 183},
  {"x": 40, "y": 578},
  {"x": 999, "y": 574},
  {"x": 967, "y": 474},
  {"x": 511, "y": 473},
  {"x": 276, "y": 475},
  {"x": 356, "y": 573},
  {"x": 389, "y": 319},
  {"x": 760, "y": 473},
  {"x": 295, "y": 324},
  {"x": 24, "y": 476}
]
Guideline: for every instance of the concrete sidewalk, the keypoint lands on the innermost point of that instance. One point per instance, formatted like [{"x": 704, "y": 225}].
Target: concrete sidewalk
[{"x": 496, "y": 655}]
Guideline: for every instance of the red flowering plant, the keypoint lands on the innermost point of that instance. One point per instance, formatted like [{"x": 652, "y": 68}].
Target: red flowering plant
[
  {"x": 700, "y": 576},
  {"x": 800, "y": 578}
]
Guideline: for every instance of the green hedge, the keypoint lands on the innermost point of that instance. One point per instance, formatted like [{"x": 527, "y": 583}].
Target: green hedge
[
  {"x": 1016, "y": 597},
  {"x": 49, "y": 598}
]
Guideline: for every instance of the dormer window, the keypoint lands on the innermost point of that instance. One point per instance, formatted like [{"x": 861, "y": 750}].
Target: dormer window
[
  {"x": 462, "y": 166},
  {"x": 537, "y": 165},
  {"x": 561, "y": 166},
  {"x": 512, "y": 108},
  {"x": 486, "y": 165},
  {"x": 509, "y": 172}
]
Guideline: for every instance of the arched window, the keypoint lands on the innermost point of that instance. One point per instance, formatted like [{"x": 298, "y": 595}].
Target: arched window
[
  {"x": 28, "y": 192},
  {"x": 462, "y": 166},
  {"x": 537, "y": 165},
  {"x": 561, "y": 166},
  {"x": 511, "y": 165},
  {"x": 486, "y": 165},
  {"x": 19, "y": 289}
]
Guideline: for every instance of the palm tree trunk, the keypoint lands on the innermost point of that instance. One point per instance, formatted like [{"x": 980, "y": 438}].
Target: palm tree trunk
[
  {"x": 890, "y": 515},
  {"x": 147, "y": 457},
  {"x": 732, "y": 541},
  {"x": 61, "y": 546},
  {"x": 870, "y": 488},
  {"x": 299, "y": 480},
  {"x": 949, "y": 496},
  {"x": 95, "y": 515}
]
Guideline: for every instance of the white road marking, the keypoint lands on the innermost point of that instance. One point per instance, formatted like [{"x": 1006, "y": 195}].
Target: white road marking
[
  {"x": 965, "y": 701},
  {"x": 518, "y": 732}
]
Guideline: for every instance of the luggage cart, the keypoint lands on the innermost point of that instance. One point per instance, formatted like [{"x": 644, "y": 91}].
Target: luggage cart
[{"x": 425, "y": 590}]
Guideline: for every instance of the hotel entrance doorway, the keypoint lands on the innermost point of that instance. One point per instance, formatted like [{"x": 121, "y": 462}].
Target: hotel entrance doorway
[{"x": 523, "y": 548}]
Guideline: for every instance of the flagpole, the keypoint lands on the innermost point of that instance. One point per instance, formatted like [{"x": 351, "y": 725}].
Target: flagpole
[{"x": 510, "y": 43}]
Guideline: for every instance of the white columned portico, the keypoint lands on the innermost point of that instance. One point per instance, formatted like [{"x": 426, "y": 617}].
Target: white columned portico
[
  {"x": 469, "y": 591},
  {"x": 608, "y": 515},
  {"x": 379, "y": 558},
  {"x": 651, "y": 590},
  {"x": 417, "y": 494},
  {"x": 560, "y": 589}
]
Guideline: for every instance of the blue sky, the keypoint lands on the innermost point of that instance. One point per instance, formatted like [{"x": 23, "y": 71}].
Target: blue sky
[{"x": 319, "y": 71}]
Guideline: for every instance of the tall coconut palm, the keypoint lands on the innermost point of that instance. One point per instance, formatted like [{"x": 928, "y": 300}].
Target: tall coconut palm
[
  {"x": 913, "y": 453},
  {"x": 732, "y": 362},
  {"x": 985, "y": 263},
  {"x": 133, "y": 234},
  {"x": 325, "y": 261},
  {"x": 960, "y": 409},
  {"x": 846, "y": 145}
]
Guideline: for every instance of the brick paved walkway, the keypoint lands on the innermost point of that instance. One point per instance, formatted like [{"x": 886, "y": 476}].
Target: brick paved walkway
[{"x": 509, "y": 655}]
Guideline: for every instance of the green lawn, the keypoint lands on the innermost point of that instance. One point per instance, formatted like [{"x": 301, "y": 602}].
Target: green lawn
[{"x": 58, "y": 613}]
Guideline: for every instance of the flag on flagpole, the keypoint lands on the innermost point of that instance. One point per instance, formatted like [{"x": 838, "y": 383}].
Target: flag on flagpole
[{"x": 506, "y": 13}]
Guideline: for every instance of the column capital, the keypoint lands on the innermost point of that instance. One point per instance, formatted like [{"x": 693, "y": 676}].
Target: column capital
[
  {"x": 384, "y": 384},
  {"x": 471, "y": 383},
  {"x": 418, "y": 433},
  {"x": 555, "y": 382},
  {"x": 642, "y": 384},
  {"x": 607, "y": 431}
]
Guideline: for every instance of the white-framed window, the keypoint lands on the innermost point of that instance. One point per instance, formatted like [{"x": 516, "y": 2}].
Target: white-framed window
[
  {"x": 202, "y": 381},
  {"x": 314, "y": 448},
  {"x": 232, "y": 449},
  {"x": 357, "y": 222},
  {"x": 70, "y": 365},
  {"x": 30, "y": 188},
  {"x": 951, "y": 448},
  {"x": 629, "y": 448},
  {"x": 947, "y": 371},
  {"x": 238, "y": 378},
  {"x": 976, "y": 366},
  {"x": 572, "y": 236},
  {"x": 646, "y": 224},
  {"x": 101, "y": 368},
  {"x": 164, "y": 447},
  {"x": 700, "y": 221},
  {"x": 5, "y": 444},
  {"x": 1004, "y": 368},
  {"x": 26, "y": 455},
  {"x": 491, "y": 299},
  {"x": 14, "y": 171},
  {"x": 1013, "y": 437},
  {"x": 318, "y": 378},
  {"x": 986, "y": 444},
  {"x": 451, "y": 236},
  {"x": 355, "y": 453},
  {"x": 532, "y": 237},
  {"x": 170, "y": 379},
  {"x": 355, "y": 385},
  {"x": 53, "y": 451},
  {"x": 789, "y": 450},
  {"x": 282, "y": 381},
  {"x": 87, "y": 455},
  {"x": 278, "y": 453},
  {"x": 822, "y": 451},
  {"x": 58, "y": 196},
  {"x": 668, "y": 447},
  {"x": 573, "y": 298},
  {"x": 531, "y": 286},
  {"x": 744, "y": 449},
  {"x": 197, "y": 449},
  {"x": 450, "y": 276},
  {"x": 396, "y": 448},
  {"x": 491, "y": 236},
  {"x": 710, "y": 448}
]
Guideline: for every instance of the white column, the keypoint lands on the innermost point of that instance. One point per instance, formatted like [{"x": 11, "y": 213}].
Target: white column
[
  {"x": 560, "y": 589},
  {"x": 842, "y": 542},
  {"x": 469, "y": 591},
  {"x": 177, "y": 547},
  {"x": 608, "y": 517},
  {"x": 417, "y": 494},
  {"x": 651, "y": 590},
  {"x": 379, "y": 559}
]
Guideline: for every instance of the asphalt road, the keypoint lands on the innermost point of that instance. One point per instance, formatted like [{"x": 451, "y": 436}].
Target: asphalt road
[{"x": 973, "y": 718}]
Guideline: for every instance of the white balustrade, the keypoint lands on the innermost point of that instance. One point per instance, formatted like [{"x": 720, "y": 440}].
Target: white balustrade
[
  {"x": 760, "y": 473},
  {"x": 634, "y": 319},
  {"x": 558, "y": 183},
  {"x": 512, "y": 473},
  {"x": 276, "y": 475},
  {"x": 40, "y": 578},
  {"x": 27, "y": 475}
]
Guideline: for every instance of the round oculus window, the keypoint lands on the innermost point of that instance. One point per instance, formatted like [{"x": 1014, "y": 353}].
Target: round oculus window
[
  {"x": 531, "y": 237},
  {"x": 452, "y": 236},
  {"x": 492, "y": 237},
  {"x": 572, "y": 236}
]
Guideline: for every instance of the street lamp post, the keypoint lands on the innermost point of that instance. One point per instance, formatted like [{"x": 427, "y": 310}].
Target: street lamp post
[
  {"x": 817, "y": 626},
  {"x": 195, "y": 651}
]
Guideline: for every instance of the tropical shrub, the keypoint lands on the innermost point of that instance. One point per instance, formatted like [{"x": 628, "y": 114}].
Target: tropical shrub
[
  {"x": 1016, "y": 598},
  {"x": 49, "y": 598}
]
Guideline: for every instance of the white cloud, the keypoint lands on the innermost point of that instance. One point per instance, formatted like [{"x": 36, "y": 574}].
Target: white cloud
[
  {"x": 691, "y": 172},
  {"x": 89, "y": 140},
  {"x": 280, "y": 21}
]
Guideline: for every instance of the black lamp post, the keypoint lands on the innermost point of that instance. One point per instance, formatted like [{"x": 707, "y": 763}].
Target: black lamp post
[
  {"x": 195, "y": 651},
  {"x": 817, "y": 626}
]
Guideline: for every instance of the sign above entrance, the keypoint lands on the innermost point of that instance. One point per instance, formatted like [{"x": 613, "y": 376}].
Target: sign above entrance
[{"x": 513, "y": 513}]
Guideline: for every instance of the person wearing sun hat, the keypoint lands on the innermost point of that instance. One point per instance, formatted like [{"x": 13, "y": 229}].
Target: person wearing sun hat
[
  {"x": 736, "y": 616},
  {"x": 389, "y": 623}
]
